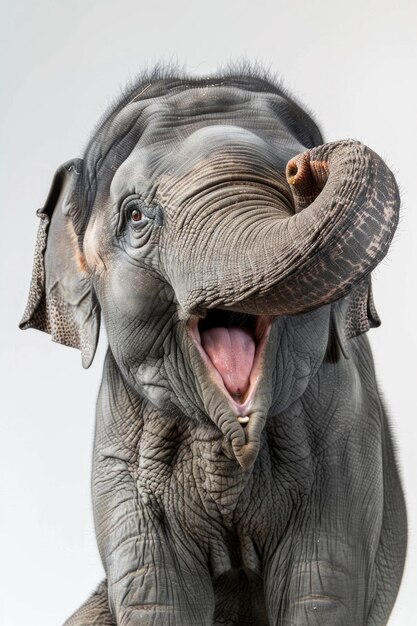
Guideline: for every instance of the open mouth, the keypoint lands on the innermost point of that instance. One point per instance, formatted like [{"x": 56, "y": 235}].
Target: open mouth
[{"x": 232, "y": 345}]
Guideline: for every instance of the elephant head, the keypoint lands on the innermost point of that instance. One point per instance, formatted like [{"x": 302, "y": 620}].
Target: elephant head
[{"x": 222, "y": 244}]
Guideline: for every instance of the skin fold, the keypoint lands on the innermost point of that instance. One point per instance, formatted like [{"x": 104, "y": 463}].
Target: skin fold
[{"x": 243, "y": 468}]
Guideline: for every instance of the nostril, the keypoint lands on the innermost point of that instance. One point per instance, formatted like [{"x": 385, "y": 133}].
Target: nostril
[
  {"x": 303, "y": 185},
  {"x": 292, "y": 171},
  {"x": 298, "y": 171}
]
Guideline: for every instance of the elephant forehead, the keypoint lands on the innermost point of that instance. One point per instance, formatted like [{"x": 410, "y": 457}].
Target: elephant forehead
[
  {"x": 178, "y": 131},
  {"x": 199, "y": 119},
  {"x": 173, "y": 117},
  {"x": 230, "y": 143},
  {"x": 208, "y": 157}
]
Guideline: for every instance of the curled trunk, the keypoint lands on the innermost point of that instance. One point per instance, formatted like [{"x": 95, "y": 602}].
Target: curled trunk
[{"x": 344, "y": 216}]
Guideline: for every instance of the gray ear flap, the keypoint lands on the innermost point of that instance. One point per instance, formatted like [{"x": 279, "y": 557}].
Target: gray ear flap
[
  {"x": 61, "y": 299},
  {"x": 361, "y": 314},
  {"x": 351, "y": 316}
]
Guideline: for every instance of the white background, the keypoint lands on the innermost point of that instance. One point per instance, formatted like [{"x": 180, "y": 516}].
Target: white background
[{"x": 353, "y": 63}]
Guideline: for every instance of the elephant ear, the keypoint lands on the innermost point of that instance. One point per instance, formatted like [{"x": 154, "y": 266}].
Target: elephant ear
[
  {"x": 61, "y": 299},
  {"x": 351, "y": 316}
]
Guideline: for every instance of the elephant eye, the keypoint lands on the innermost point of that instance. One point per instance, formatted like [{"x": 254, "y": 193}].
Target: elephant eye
[{"x": 136, "y": 215}]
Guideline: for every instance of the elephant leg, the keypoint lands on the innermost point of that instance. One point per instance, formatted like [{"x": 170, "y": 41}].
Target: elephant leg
[
  {"x": 94, "y": 612},
  {"x": 317, "y": 582},
  {"x": 158, "y": 582},
  {"x": 156, "y": 574}
]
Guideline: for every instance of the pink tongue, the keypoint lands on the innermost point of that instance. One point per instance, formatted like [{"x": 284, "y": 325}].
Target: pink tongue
[{"x": 232, "y": 351}]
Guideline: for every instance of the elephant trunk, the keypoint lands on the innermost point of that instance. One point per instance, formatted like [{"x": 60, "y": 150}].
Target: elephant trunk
[{"x": 346, "y": 206}]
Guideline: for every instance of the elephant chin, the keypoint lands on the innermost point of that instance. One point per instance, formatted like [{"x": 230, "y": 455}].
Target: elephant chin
[{"x": 246, "y": 446}]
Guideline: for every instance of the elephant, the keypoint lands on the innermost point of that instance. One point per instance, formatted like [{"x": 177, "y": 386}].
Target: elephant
[{"x": 243, "y": 468}]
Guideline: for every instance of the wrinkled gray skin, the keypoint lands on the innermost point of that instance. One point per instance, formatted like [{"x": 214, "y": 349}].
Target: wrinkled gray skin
[{"x": 189, "y": 201}]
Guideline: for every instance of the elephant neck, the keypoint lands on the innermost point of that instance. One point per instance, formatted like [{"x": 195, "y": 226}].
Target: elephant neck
[
  {"x": 167, "y": 451},
  {"x": 178, "y": 454}
]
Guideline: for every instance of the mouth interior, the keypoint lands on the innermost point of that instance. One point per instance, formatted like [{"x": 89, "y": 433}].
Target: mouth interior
[{"x": 230, "y": 339}]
